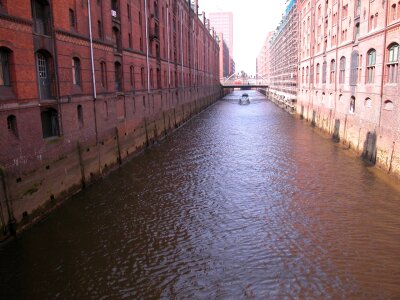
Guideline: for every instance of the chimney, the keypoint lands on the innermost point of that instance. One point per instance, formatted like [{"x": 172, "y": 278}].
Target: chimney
[{"x": 204, "y": 18}]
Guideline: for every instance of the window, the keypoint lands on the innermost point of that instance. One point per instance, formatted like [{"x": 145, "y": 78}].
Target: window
[
  {"x": 100, "y": 29},
  {"x": 388, "y": 105},
  {"x": 371, "y": 66},
  {"x": 118, "y": 77},
  {"x": 307, "y": 71},
  {"x": 318, "y": 73},
  {"x": 342, "y": 73},
  {"x": 368, "y": 103},
  {"x": 392, "y": 64},
  {"x": 130, "y": 40},
  {"x": 116, "y": 38},
  {"x": 50, "y": 126},
  {"x": 76, "y": 71},
  {"x": 393, "y": 13},
  {"x": 354, "y": 68},
  {"x": 12, "y": 125},
  {"x": 105, "y": 110},
  {"x": 151, "y": 78},
  {"x": 371, "y": 22},
  {"x": 352, "y": 105},
  {"x": 5, "y": 67},
  {"x": 79, "y": 112},
  {"x": 324, "y": 71},
  {"x": 103, "y": 72},
  {"x": 357, "y": 31},
  {"x": 41, "y": 16},
  {"x": 132, "y": 76},
  {"x": 45, "y": 74},
  {"x": 142, "y": 77},
  {"x": 333, "y": 71},
  {"x": 72, "y": 21}
]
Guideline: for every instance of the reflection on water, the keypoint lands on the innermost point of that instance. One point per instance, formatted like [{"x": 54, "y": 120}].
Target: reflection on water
[{"x": 242, "y": 202}]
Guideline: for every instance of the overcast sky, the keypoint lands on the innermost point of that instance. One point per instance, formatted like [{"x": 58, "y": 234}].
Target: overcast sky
[{"x": 252, "y": 19}]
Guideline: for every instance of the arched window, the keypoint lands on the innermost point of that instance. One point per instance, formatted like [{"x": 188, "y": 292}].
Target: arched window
[
  {"x": 100, "y": 29},
  {"x": 151, "y": 78},
  {"x": 76, "y": 71},
  {"x": 105, "y": 110},
  {"x": 333, "y": 71},
  {"x": 307, "y": 71},
  {"x": 318, "y": 73},
  {"x": 79, "y": 112},
  {"x": 393, "y": 12},
  {"x": 118, "y": 76},
  {"x": 103, "y": 71},
  {"x": 142, "y": 77},
  {"x": 392, "y": 63},
  {"x": 132, "y": 76},
  {"x": 324, "y": 71},
  {"x": 368, "y": 103},
  {"x": 342, "y": 74},
  {"x": 116, "y": 36},
  {"x": 352, "y": 105},
  {"x": 50, "y": 125},
  {"x": 72, "y": 20},
  {"x": 354, "y": 68},
  {"x": 12, "y": 124},
  {"x": 5, "y": 67},
  {"x": 388, "y": 105},
  {"x": 371, "y": 66}
]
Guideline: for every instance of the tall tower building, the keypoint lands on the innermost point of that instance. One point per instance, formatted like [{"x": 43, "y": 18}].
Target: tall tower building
[{"x": 223, "y": 24}]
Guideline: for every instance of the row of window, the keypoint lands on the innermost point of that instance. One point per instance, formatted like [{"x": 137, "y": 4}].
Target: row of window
[
  {"x": 46, "y": 77},
  {"x": 356, "y": 68}
]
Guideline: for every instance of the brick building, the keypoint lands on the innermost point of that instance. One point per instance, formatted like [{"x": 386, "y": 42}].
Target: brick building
[
  {"x": 263, "y": 61},
  {"x": 224, "y": 57},
  {"x": 283, "y": 58},
  {"x": 222, "y": 22},
  {"x": 348, "y": 74},
  {"x": 77, "y": 99}
]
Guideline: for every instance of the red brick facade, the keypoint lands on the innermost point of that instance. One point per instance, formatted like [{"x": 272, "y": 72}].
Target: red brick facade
[
  {"x": 155, "y": 64},
  {"x": 348, "y": 74}
]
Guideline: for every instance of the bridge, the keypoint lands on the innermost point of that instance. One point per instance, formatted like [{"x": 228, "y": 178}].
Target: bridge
[{"x": 244, "y": 82}]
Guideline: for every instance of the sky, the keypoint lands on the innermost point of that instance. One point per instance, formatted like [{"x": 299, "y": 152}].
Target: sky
[{"x": 252, "y": 19}]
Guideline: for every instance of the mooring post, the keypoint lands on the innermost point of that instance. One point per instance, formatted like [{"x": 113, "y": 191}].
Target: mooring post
[{"x": 12, "y": 223}]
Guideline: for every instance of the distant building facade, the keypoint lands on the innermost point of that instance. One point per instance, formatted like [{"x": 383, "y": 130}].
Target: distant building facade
[
  {"x": 222, "y": 22},
  {"x": 224, "y": 57},
  {"x": 349, "y": 77},
  {"x": 77, "y": 99},
  {"x": 263, "y": 62},
  {"x": 283, "y": 54}
]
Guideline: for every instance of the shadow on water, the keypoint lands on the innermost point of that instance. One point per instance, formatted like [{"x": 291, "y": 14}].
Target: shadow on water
[{"x": 369, "y": 150}]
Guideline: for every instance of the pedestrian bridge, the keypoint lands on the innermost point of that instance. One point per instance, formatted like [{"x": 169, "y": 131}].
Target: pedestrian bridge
[{"x": 244, "y": 83}]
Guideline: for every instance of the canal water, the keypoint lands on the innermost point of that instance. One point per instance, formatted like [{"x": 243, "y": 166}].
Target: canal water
[{"x": 243, "y": 202}]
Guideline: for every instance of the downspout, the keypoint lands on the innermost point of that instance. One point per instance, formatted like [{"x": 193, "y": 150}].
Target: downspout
[
  {"x": 181, "y": 35},
  {"x": 147, "y": 47},
  {"x": 383, "y": 63},
  {"x": 92, "y": 69},
  {"x": 168, "y": 47}
]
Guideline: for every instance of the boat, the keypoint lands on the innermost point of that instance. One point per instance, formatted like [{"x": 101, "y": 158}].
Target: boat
[{"x": 244, "y": 99}]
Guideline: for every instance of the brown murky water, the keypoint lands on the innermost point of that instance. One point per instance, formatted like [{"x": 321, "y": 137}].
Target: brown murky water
[{"x": 242, "y": 202}]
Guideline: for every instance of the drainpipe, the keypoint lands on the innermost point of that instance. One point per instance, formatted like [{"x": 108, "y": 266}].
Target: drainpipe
[
  {"x": 168, "y": 47},
  {"x": 383, "y": 63},
  {"x": 181, "y": 36},
  {"x": 147, "y": 47},
  {"x": 91, "y": 51},
  {"x": 92, "y": 68}
]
